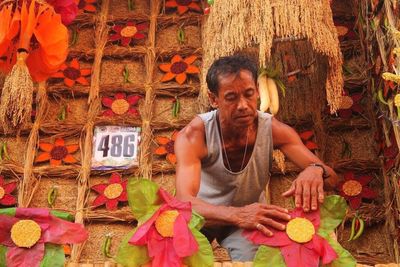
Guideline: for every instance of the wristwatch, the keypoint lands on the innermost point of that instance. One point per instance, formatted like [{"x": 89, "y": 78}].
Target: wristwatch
[{"x": 325, "y": 174}]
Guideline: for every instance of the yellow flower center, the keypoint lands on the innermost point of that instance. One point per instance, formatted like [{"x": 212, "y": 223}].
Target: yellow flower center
[
  {"x": 300, "y": 230},
  {"x": 346, "y": 102},
  {"x": 120, "y": 106},
  {"x": 165, "y": 223},
  {"x": 113, "y": 191},
  {"x": 25, "y": 233},
  {"x": 397, "y": 100},
  {"x": 2, "y": 192},
  {"x": 352, "y": 188},
  {"x": 129, "y": 31}
]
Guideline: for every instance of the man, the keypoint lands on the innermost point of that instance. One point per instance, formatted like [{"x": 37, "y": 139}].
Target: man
[{"x": 224, "y": 158}]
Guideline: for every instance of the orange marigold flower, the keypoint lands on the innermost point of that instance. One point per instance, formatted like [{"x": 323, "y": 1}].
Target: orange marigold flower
[
  {"x": 57, "y": 152},
  {"x": 179, "y": 68},
  {"x": 86, "y": 5},
  {"x": 166, "y": 147},
  {"x": 183, "y": 5},
  {"x": 73, "y": 73}
]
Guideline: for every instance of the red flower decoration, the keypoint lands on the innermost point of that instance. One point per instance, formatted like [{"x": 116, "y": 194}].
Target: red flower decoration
[
  {"x": 179, "y": 68},
  {"x": 68, "y": 9},
  {"x": 86, "y": 5},
  {"x": 389, "y": 152},
  {"x": 111, "y": 193},
  {"x": 353, "y": 189},
  {"x": 183, "y": 5},
  {"x": 41, "y": 227},
  {"x": 73, "y": 73},
  {"x": 57, "y": 153},
  {"x": 128, "y": 32},
  {"x": 350, "y": 105},
  {"x": 120, "y": 104},
  {"x": 166, "y": 147},
  {"x": 166, "y": 234},
  {"x": 296, "y": 250},
  {"x": 6, "y": 199},
  {"x": 307, "y": 137}
]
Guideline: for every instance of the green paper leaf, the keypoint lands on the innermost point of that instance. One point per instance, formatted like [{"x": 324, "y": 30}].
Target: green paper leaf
[
  {"x": 131, "y": 256},
  {"x": 53, "y": 256},
  {"x": 204, "y": 257},
  {"x": 8, "y": 211},
  {"x": 197, "y": 221},
  {"x": 3, "y": 252},
  {"x": 62, "y": 215},
  {"x": 344, "y": 257},
  {"x": 268, "y": 256},
  {"x": 332, "y": 212},
  {"x": 143, "y": 198}
]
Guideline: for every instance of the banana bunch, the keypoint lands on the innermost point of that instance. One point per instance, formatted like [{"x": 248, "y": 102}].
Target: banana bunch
[{"x": 268, "y": 91}]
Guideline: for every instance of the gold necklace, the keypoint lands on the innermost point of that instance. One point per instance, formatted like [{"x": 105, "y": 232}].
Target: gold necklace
[{"x": 224, "y": 150}]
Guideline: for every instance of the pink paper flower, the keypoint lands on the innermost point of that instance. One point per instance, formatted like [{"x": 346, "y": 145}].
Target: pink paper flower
[
  {"x": 166, "y": 234},
  {"x": 295, "y": 253},
  {"x": 52, "y": 230},
  {"x": 68, "y": 9}
]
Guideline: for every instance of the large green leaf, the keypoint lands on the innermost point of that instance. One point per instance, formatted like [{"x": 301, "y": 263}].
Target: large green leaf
[
  {"x": 131, "y": 256},
  {"x": 204, "y": 257},
  {"x": 344, "y": 257},
  {"x": 332, "y": 212},
  {"x": 267, "y": 256},
  {"x": 62, "y": 215},
  {"x": 143, "y": 198},
  {"x": 8, "y": 211},
  {"x": 3, "y": 252},
  {"x": 197, "y": 221},
  {"x": 53, "y": 256}
]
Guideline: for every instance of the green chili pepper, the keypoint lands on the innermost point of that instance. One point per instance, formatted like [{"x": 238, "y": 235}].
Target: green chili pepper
[
  {"x": 380, "y": 97},
  {"x": 1, "y": 152},
  {"x": 178, "y": 107},
  {"x": 5, "y": 152},
  {"x": 74, "y": 38},
  {"x": 181, "y": 35},
  {"x": 52, "y": 196},
  {"x": 352, "y": 231},
  {"x": 360, "y": 229},
  {"x": 125, "y": 73},
  {"x": 131, "y": 5},
  {"x": 107, "y": 246},
  {"x": 62, "y": 114}
]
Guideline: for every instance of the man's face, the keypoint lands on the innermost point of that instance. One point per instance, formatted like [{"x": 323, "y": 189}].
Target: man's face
[{"x": 237, "y": 99}]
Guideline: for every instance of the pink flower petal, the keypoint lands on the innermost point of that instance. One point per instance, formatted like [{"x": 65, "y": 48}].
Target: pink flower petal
[
  {"x": 64, "y": 232},
  {"x": 120, "y": 96},
  {"x": 8, "y": 200},
  {"x": 17, "y": 257},
  {"x": 185, "y": 208},
  {"x": 99, "y": 188},
  {"x": 108, "y": 113},
  {"x": 141, "y": 235},
  {"x": 368, "y": 193},
  {"x": 184, "y": 243},
  {"x": 10, "y": 187},
  {"x": 6, "y": 222},
  {"x": 107, "y": 101},
  {"x": 279, "y": 239},
  {"x": 133, "y": 99},
  {"x": 324, "y": 250},
  {"x": 100, "y": 200},
  {"x": 297, "y": 255},
  {"x": 112, "y": 204},
  {"x": 162, "y": 251},
  {"x": 115, "y": 178},
  {"x": 355, "y": 202},
  {"x": 41, "y": 216},
  {"x": 349, "y": 176},
  {"x": 364, "y": 179}
]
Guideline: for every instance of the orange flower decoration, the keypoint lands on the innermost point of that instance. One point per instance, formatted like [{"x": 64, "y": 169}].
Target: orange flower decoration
[
  {"x": 166, "y": 147},
  {"x": 183, "y": 5},
  {"x": 86, "y": 5},
  {"x": 73, "y": 73},
  {"x": 57, "y": 152},
  {"x": 179, "y": 68}
]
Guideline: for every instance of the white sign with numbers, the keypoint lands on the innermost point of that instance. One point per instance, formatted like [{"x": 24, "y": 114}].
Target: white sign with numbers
[{"x": 115, "y": 147}]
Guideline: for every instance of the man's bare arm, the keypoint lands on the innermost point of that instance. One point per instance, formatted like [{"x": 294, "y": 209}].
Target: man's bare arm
[{"x": 190, "y": 148}]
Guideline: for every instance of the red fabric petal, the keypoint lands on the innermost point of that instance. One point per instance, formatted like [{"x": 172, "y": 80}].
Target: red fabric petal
[
  {"x": 100, "y": 200},
  {"x": 8, "y": 200},
  {"x": 141, "y": 235},
  {"x": 357, "y": 108},
  {"x": 17, "y": 257},
  {"x": 133, "y": 111},
  {"x": 125, "y": 41},
  {"x": 355, "y": 202},
  {"x": 364, "y": 179},
  {"x": 1, "y": 180},
  {"x": 349, "y": 176},
  {"x": 356, "y": 97},
  {"x": 345, "y": 113},
  {"x": 368, "y": 193},
  {"x": 162, "y": 251},
  {"x": 118, "y": 28},
  {"x": 120, "y": 96},
  {"x": 324, "y": 250},
  {"x": 184, "y": 243},
  {"x": 306, "y": 135},
  {"x": 99, "y": 188},
  {"x": 142, "y": 26},
  {"x": 10, "y": 187},
  {"x": 311, "y": 145},
  {"x": 64, "y": 232},
  {"x": 114, "y": 37},
  {"x": 39, "y": 215},
  {"x": 297, "y": 255},
  {"x": 112, "y": 204},
  {"x": 108, "y": 113},
  {"x": 107, "y": 101},
  {"x": 279, "y": 239},
  {"x": 133, "y": 99},
  {"x": 123, "y": 197},
  {"x": 391, "y": 152},
  {"x": 139, "y": 36},
  {"x": 6, "y": 222},
  {"x": 115, "y": 178}
]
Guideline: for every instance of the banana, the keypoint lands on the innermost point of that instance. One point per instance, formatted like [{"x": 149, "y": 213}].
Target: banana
[
  {"x": 273, "y": 96},
  {"x": 263, "y": 91}
]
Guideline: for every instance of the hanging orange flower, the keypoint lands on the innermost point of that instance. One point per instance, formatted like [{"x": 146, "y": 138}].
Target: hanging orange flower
[
  {"x": 86, "y": 5},
  {"x": 57, "y": 152},
  {"x": 179, "y": 68},
  {"x": 166, "y": 147},
  {"x": 73, "y": 73},
  {"x": 183, "y": 5}
]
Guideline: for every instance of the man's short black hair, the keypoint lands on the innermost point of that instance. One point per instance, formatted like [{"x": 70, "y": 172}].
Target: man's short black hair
[{"x": 229, "y": 65}]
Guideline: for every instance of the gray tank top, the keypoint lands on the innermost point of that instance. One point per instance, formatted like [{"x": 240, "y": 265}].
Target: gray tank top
[{"x": 218, "y": 185}]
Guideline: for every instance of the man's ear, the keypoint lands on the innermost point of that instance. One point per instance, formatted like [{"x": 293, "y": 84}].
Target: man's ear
[{"x": 213, "y": 99}]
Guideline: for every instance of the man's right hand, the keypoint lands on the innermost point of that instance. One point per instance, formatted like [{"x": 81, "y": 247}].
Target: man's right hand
[{"x": 260, "y": 216}]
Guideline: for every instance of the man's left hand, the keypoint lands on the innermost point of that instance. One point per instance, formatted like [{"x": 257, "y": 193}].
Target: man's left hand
[{"x": 308, "y": 189}]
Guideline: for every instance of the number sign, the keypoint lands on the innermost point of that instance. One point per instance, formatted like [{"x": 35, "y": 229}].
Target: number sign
[{"x": 115, "y": 147}]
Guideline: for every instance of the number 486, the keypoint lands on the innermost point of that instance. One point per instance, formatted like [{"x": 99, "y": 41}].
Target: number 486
[{"x": 120, "y": 145}]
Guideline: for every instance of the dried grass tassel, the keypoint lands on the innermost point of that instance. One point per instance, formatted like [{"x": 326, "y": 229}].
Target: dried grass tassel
[{"x": 16, "y": 96}]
